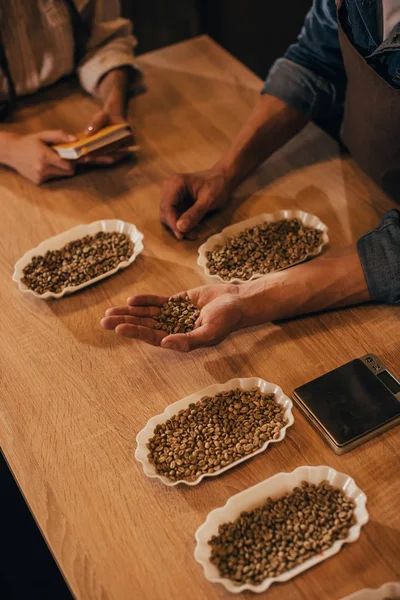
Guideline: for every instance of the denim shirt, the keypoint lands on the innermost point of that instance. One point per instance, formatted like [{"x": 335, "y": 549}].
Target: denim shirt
[{"x": 312, "y": 78}]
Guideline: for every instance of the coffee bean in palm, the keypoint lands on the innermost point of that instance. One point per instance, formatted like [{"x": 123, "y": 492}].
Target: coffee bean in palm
[{"x": 178, "y": 315}]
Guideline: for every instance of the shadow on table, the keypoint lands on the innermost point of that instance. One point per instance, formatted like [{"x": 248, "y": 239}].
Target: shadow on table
[
  {"x": 110, "y": 183},
  {"x": 391, "y": 537},
  {"x": 309, "y": 198},
  {"x": 271, "y": 335},
  {"x": 367, "y": 562}
]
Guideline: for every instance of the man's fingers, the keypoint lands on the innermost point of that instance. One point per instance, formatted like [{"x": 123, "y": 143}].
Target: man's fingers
[
  {"x": 133, "y": 311},
  {"x": 56, "y": 136},
  {"x": 183, "y": 294},
  {"x": 145, "y": 334},
  {"x": 147, "y": 300},
  {"x": 168, "y": 219},
  {"x": 112, "y": 321},
  {"x": 192, "y": 217},
  {"x": 172, "y": 192},
  {"x": 186, "y": 342}
]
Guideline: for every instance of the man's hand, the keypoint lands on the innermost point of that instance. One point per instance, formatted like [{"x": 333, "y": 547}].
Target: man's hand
[
  {"x": 33, "y": 158},
  {"x": 220, "y": 315},
  {"x": 189, "y": 197},
  {"x": 333, "y": 280}
]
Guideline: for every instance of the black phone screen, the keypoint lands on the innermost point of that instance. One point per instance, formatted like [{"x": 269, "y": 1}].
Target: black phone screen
[{"x": 349, "y": 402}]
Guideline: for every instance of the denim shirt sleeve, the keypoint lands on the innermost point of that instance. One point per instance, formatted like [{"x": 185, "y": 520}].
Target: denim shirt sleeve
[
  {"x": 379, "y": 253},
  {"x": 311, "y": 75}
]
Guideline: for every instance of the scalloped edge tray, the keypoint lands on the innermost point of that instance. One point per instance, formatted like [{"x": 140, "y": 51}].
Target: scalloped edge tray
[
  {"x": 60, "y": 240},
  {"x": 219, "y": 238},
  {"x": 253, "y": 497},
  {"x": 245, "y": 384}
]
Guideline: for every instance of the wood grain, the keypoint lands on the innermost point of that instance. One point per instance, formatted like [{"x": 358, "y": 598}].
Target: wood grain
[{"x": 74, "y": 396}]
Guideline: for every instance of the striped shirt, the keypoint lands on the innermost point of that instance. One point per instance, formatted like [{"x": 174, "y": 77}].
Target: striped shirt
[{"x": 38, "y": 40}]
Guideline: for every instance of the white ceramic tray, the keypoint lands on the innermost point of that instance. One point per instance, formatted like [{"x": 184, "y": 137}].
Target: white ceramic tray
[
  {"x": 255, "y": 496},
  {"x": 219, "y": 238},
  {"x": 244, "y": 384},
  {"x": 60, "y": 240},
  {"x": 388, "y": 590}
]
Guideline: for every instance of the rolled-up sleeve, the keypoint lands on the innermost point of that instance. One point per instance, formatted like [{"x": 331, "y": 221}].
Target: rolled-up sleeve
[
  {"x": 311, "y": 75},
  {"x": 379, "y": 253},
  {"x": 111, "y": 45}
]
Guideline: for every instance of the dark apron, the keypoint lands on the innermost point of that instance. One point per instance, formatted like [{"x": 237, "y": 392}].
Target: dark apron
[{"x": 371, "y": 124}]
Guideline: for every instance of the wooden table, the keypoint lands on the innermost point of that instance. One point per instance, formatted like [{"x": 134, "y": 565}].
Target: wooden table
[{"x": 74, "y": 396}]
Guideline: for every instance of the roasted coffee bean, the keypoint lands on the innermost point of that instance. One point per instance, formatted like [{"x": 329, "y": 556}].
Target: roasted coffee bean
[{"x": 262, "y": 249}]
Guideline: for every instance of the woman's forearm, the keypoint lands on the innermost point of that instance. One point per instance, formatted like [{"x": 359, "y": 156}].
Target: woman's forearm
[
  {"x": 331, "y": 281},
  {"x": 113, "y": 91},
  {"x": 271, "y": 124}
]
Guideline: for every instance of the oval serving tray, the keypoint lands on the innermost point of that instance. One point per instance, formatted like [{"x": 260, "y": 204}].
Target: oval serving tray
[
  {"x": 60, "y": 240},
  {"x": 245, "y": 384},
  {"x": 255, "y": 496},
  {"x": 219, "y": 238}
]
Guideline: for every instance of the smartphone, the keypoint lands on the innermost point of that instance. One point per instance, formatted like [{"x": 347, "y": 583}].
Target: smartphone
[{"x": 351, "y": 404}]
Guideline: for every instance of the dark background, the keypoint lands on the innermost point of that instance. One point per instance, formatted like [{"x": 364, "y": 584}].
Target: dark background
[{"x": 254, "y": 31}]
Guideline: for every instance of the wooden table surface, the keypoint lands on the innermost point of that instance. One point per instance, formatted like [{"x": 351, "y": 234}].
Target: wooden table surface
[{"x": 74, "y": 396}]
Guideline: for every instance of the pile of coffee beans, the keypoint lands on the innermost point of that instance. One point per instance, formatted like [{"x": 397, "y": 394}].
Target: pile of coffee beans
[
  {"x": 282, "y": 533},
  {"x": 178, "y": 315},
  {"x": 262, "y": 249},
  {"x": 214, "y": 432},
  {"x": 77, "y": 262}
]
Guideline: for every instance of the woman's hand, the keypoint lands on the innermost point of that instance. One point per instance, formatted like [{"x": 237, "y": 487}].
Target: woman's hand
[
  {"x": 103, "y": 118},
  {"x": 105, "y": 156},
  {"x": 220, "y": 315},
  {"x": 32, "y": 156},
  {"x": 112, "y": 90},
  {"x": 187, "y": 198}
]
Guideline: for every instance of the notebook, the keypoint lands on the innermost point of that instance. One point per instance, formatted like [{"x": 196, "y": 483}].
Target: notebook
[{"x": 113, "y": 135}]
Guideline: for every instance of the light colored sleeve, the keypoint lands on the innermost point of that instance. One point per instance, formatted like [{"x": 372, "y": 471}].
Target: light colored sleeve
[{"x": 111, "y": 45}]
